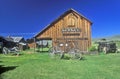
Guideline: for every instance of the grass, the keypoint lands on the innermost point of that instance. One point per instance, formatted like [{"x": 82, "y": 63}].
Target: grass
[{"x": 42, "y": 66}]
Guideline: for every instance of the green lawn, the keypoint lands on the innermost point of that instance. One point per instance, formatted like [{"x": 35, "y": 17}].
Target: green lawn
[{"x": 41, "y": 66}]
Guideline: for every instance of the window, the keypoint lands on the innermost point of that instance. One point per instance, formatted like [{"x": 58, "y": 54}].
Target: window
[
  {"x": 72, "y": 20},
  {"x": 61, "y": 44}
]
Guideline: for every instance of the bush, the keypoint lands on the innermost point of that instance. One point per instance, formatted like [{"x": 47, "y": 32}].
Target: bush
[
  {"x": 67, "y": 56},
  {"x": 70, "y": 56},
  {"x": 92, "y": 48}
]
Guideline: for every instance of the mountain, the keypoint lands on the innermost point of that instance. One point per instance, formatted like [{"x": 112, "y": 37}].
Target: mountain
[
  {"x": 115, "y": 37},
  {"x": 110, "y": 38}
]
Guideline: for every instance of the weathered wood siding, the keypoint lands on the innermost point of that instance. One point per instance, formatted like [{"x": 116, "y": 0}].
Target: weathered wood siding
[{"x": 70, "y": 20}]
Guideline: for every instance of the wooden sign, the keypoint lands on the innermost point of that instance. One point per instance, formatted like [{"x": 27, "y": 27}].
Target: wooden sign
[{"x": 71, "y": 30}]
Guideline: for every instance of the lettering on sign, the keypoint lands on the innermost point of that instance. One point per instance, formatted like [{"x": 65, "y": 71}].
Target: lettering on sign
[{"x": 71, "y": 30}]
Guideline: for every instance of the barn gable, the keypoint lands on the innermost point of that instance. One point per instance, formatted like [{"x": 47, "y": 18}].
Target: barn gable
[{"x": 70, "y": 12}]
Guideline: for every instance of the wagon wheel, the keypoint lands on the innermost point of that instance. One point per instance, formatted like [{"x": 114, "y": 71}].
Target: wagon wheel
[
  {"x": 52, "y": 51},
  {"x": 59, "y": 52},
  {"x": 56, "y": 51},
  {"x": 71, "y": 52},
  {"x": 75, "y": 53},
  {"x": 105, "y": 50},
  {"x": 78, "y": 54}
]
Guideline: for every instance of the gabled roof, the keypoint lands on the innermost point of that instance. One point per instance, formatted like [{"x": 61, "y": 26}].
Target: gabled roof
[
  {"x": 64, "y": 14},
  {"x": 6, "y": 39},
  {"x": 17, "y": 39},
  {"x": 9, "y": 39},
  {"x": 14, "y": 39}
]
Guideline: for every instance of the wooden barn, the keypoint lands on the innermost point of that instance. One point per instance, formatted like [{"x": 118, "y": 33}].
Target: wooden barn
[{"x": 70, "y": 30}]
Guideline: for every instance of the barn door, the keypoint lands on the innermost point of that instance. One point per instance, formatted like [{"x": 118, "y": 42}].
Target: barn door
[
  {"x": 67, "y": 45},
  {"x": 72, "y": 44}
]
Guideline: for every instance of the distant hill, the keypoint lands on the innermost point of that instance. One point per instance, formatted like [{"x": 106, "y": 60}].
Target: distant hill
[
  {"x": 110, "y": 38},
  {"x": 116, "y": 37}
]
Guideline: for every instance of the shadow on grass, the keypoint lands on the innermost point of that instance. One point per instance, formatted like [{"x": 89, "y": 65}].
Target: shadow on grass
[
  {"x": 67, "y": 57},
  {"x": 5, "y": 69},
  {"x": 38, "y": 51},
  {"x": 14, "y": 54}
]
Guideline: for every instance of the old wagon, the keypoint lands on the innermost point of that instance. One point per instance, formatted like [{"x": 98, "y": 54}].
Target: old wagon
[{"x": 107, "y": 47}]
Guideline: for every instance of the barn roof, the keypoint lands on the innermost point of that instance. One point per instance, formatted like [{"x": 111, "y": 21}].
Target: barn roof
[
  {"x": 17, "y": 39},
  {"x": 6, "y": 39},
  {"x": 14, "y": 39},
  {"x": 56, "y": 20}
]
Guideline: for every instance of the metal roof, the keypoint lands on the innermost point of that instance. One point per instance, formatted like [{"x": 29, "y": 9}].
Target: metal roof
[{"x": 17, "y": 39}]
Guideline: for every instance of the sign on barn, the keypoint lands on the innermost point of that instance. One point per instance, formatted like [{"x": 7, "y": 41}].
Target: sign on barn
[{"x": 71, "y": 30}]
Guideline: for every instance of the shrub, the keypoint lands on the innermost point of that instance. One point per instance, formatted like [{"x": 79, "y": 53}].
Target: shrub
[
  {"x": 67, "y": 56},
  {"x": 92, "y": 48}
]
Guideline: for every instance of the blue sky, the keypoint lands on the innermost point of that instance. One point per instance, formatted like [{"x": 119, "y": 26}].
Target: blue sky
[{"x": 27, "y": 17}]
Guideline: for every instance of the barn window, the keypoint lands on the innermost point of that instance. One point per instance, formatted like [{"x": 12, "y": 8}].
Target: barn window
[
  {"x": 61, "y": 44},
  {"x": 66, "y": 44},
  {"x": 72, "y": 20}
]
